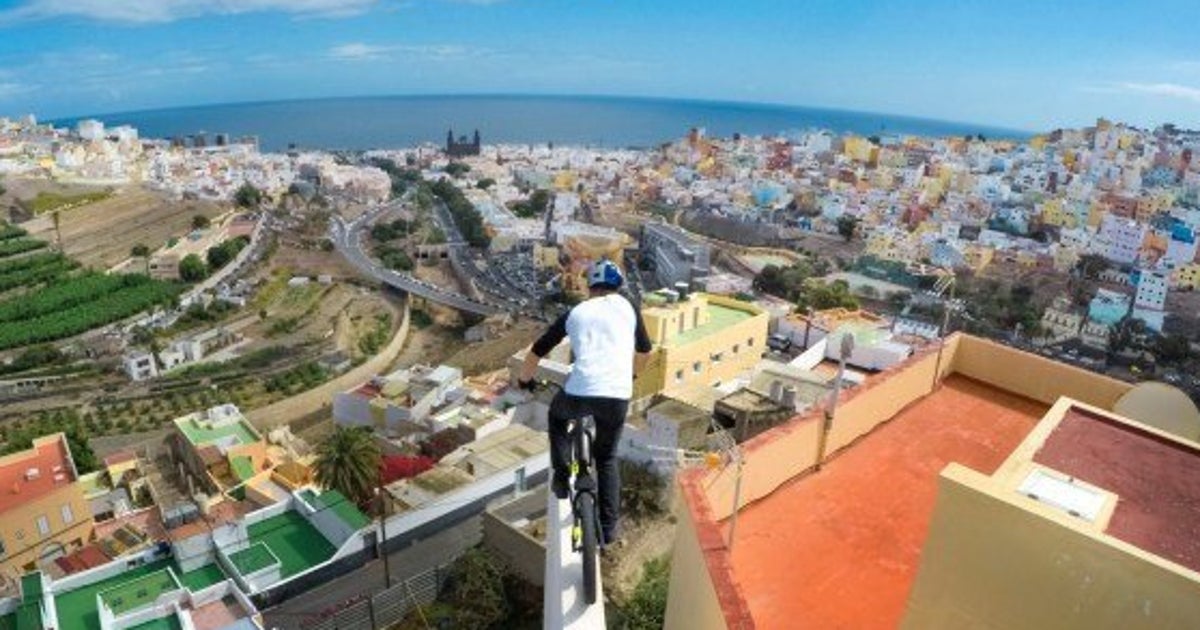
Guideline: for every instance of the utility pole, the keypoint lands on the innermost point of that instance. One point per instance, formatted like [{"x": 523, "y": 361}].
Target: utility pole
[
  {"x": 381, "y": 498},
  {"x": 847, "y": 347}
]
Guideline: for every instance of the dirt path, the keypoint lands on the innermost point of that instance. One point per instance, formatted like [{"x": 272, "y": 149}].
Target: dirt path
[{"x": 284, "y": 411}]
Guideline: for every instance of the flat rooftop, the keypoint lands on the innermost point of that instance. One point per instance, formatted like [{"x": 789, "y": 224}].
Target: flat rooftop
[
  {"x": 720, "y": 317},
  {"x": 20, "y": 484},
  {"x": 840, "y": 548},
  {"x": 1156, "y": 480},
  {"x": 200, "y": 431},
  {"x": 297, "y": 544},
  {"x": 346, "y": 511},
  {"x": 77, "y": 609}
]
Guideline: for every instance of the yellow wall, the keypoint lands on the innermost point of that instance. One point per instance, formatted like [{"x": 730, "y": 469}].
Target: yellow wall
[
  {"x": 1036, "y": 568},
  {"x": 749, "y": 335},
  {"x": 23, "y": 518},
  {"x": 1033, "y": 376},
  {"x": 692, "y": 602}
]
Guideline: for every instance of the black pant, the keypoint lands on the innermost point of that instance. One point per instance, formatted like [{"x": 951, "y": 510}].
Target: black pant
[{"x": 609, "y": 416}]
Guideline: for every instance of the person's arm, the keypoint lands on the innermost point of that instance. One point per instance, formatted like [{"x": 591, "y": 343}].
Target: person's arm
[
  {"x": 540, "y": 348},
  {"x": 641, "y": 343}
]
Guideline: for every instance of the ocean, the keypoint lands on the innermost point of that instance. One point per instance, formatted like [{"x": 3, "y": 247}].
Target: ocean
[{"x": 402, "y": 121}]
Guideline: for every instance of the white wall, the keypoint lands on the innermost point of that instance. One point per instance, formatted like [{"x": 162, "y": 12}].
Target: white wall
[
  {"x": 327, "y": 522},
  {"x": 447, "y": 503},
  {"x": 104, "y": 571},
  {"x": 194, "y": 552}
]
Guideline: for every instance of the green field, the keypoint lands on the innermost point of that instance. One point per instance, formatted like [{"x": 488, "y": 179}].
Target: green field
[
  {"x": 19, "y": 245},
  {"x": 72, "y": 306},
  {"x": 49, "y": 202}
]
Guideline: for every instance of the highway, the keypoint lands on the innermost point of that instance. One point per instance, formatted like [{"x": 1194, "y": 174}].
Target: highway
[{"x": 347, "y": 238}]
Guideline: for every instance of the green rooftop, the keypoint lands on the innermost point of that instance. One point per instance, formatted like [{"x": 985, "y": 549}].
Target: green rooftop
[
  {"x": 77, "y": 609},
  {"x": 200, "y": 432},
  {"x": 254, "y": 558},
  {"x": 297, "y": 544},
  {"x": 170, "y": 622},
  {"x": 29, "y": 616},
  {"x": 720, "y": 317},
  {"x": 31, "y": 586},
  {"x": 243, "y": 467},
  {"x": 139, "y": 592},
  {"x": 341, "y": 506},
  {"x": 202, "y": 578}
]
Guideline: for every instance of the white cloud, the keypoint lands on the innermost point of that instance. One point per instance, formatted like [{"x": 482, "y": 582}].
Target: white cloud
[
  {"x": 158, "y": 11},
  {"x": 11, "y": 89},
  {"x": 360, "y": 51},
  {"x": 1170, "y": 90}
]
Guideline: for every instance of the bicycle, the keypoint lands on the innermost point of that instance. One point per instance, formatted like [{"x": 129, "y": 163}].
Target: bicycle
[{"x": 582, "y": 494}]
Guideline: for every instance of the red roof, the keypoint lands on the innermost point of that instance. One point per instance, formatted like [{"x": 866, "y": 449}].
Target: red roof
[
  {"x": 1156, "y": 480},
  {"x": 119, "y": 458},
  {"x": 20, "y": 484},
  {"x": 840, "y": 548}
]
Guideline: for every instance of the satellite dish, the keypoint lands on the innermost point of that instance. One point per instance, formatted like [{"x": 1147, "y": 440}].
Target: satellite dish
[{"x": 1163, "y": 407}]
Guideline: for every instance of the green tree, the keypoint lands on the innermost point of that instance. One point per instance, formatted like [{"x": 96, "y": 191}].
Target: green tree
[
  {"x": 139, "y": 251},
  {"x": 348, "y": 461},
  {"x": 199, "y": 222},
  {"x": 247, "y": 196},
  {"x": 477, "y": 590},
  {"x": 457, "y": 169},
  {"x": 642, "y": 490},
  {"x": 1090, "y": 266},
  {"x": 1172, "y": 348},
  {"x": 847, "y": 225},
  {"x": 192, "y": 269},
  {"x": 485, "y": 183}
]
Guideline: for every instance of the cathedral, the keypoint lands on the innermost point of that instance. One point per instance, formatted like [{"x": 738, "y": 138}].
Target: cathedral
[{"x": 462, "y": 147}]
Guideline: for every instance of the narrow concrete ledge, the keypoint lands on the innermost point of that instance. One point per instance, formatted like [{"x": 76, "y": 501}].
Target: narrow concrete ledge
[{"x": 563, "y": 599}]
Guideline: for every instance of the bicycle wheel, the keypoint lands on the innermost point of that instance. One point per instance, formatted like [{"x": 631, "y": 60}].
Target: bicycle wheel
[{"x": 587, "y": 518}]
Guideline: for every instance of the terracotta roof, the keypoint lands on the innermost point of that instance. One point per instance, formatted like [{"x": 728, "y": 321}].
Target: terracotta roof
[
  {"x": 840, "y": 548},
  {"x": 1156, "y": 480},
  {"x": 20, "y": 484}
]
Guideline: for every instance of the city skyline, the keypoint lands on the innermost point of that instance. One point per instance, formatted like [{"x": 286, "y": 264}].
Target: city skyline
[{"x": 1031, "y": 68}]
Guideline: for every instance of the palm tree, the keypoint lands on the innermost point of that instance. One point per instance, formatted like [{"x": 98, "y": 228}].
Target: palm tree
[{"x": 348, "y": 461}]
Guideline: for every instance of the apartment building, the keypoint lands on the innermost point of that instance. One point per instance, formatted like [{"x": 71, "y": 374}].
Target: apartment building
[{"x": 43, "y": 511}]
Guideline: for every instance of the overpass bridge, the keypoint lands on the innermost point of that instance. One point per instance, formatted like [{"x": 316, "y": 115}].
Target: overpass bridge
[{"x": 347, "y": 238}]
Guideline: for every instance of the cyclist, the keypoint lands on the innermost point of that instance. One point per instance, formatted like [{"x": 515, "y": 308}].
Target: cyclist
[{"x": 608, "y": 345}]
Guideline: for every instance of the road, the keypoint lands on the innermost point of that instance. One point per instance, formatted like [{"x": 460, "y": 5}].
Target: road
[
  {"x": 440, "y": 549},
  {"x": 347, "y": 238}
]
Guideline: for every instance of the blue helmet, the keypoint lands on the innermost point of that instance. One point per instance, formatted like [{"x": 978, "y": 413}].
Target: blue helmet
[{"x": 604, "y": 273}]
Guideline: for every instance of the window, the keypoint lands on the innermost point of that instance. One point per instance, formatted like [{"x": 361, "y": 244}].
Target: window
[
  {"x": 697, "y": 366},
  {"x": 716, "y": 358},
  {"x": 681, "y": 324},
  {"x": 3, "y": 551},
  {"x": 750, "y": 342},
  {"x": 696, "y": 316},
  {"x": 678, "y": 376},
  {"x": 736, "y": 347},
  {"x": 67, "y": 516},
  {"x": 43, "y": 525}
]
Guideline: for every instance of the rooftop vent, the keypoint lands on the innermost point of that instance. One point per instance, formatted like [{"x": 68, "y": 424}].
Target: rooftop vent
[
  {"x": 1065, "y": 494},
  {"x": 32, "y": 473}
]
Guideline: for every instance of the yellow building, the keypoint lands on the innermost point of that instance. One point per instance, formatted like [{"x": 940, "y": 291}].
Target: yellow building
[
  {"x": 699, "y": 340},
  {"x": 1053, "y": 213},
  {"x": 1188, "y": 276},
  {"x": 860, "y": 149},
  {"x": 43, "y": 512}
]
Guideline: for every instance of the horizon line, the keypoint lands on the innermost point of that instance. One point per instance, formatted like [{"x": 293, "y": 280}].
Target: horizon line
[{"x": 548, "y": 95}]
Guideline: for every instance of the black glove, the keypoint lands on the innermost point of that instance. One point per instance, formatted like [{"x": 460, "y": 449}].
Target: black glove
[{"x": 526, "y": 385}]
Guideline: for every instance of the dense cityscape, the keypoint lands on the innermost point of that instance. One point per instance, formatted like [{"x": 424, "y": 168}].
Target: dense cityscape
[{"x": 278, "y": 389}]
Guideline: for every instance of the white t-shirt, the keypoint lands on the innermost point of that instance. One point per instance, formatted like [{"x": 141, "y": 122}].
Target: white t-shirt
[{"x": 605, "y": 332}]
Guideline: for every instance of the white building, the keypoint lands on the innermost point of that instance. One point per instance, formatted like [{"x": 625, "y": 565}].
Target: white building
[
  {"x": 1120, "y": 240},
  {"x": 139, "y": 366},
  {"x": 90, "y": 129},
  {"x": 401, "y": 401},
  {"x": 1151, "y": 298}
]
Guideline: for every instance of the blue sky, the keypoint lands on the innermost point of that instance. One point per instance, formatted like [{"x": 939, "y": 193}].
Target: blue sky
[{"x": 1018, "y": 63}]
